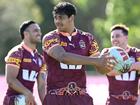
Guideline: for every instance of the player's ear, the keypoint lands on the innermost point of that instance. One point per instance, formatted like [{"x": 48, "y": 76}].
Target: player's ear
[
  {"x": 72, "y": 17},
  {"x": 26, "y": 34}
]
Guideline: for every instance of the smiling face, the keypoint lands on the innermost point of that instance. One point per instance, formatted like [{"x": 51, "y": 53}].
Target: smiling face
[
  {"x": 118, "y": 38},
  {"x": 33, "y": 33}
]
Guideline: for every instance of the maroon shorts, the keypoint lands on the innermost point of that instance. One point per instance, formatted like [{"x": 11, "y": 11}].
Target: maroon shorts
[
  {"x": 113, "y": 101},
  {"x": 8, "y": 100},
  {"x": 68, "y": 100}
]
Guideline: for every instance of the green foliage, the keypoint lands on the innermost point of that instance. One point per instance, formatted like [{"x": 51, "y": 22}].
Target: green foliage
[
  {"x": 13, "y": 13},
  {"x": 119, "y": 11},
  {"x": 96, "y": 16}
]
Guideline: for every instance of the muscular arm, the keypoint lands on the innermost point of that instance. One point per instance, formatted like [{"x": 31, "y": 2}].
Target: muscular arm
[
  {"x": 58, "y": 53},
  {"x": 100, "y": 69},
  {"x": 14, "y": 83},
  {"x": 11, "y": 74},
  {"x": 138, "y": 101},
  {"x": 41, "y": 85}
]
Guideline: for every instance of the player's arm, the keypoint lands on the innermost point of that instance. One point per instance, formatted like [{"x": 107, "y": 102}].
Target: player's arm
[
  {"x": 138, "y": 100},
  {"x": 41, "y": 81},
  {"x": 58, "y": 53},
  {"x": 51, "y": 46},
  {"x": 136, "y": 65},
  {"x": 100, "y": 69},
  {"x": 14, "y": 83}
]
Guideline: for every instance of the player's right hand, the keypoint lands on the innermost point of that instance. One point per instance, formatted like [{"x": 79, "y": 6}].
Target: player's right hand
[
  {"x": 107, "y": 61},
  {"x": 29, "y": 99}
]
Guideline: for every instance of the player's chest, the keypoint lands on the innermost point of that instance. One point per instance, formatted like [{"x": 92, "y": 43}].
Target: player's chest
[
  {"x": 75, "y": 44},
  {"x": 31, "y": 62}
]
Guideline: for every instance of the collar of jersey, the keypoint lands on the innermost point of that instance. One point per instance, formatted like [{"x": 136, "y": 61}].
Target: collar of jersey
[
  {"x": 67, "y": 34},
  {"x": 28, "y": 48}
]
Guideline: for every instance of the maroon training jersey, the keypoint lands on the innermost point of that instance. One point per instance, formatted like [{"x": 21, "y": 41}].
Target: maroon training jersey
[
  {"x": 60, "y": 74},
  {"x": 30, "y": 63},
  {"x": 127, "y": 83}
]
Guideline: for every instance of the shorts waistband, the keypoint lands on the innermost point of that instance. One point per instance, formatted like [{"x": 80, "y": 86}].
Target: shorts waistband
[
  {"x": 71, "y": 89},
  {"x": 126, "y": 95}
]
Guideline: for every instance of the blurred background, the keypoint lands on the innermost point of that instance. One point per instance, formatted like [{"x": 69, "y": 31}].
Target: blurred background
[{"x": 96, "y": 16}]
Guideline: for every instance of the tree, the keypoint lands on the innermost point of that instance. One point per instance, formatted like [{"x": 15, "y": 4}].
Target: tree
[
  {"x": 13, "y": 13},
  {"x": 119, "y": 11}
]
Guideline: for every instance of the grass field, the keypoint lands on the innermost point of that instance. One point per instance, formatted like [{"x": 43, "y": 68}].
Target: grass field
[{"x": 96, "y": 87}]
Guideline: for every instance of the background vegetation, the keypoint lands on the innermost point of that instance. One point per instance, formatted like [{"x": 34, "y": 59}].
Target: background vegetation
[{"x": 95, "y": 16}]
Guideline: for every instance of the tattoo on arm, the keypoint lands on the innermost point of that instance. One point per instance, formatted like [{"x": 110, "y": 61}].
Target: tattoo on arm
[{"x": 43, "y": 76}]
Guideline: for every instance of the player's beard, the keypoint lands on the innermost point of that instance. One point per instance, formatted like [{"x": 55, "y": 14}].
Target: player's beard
[{"x": 35, "y": 40}]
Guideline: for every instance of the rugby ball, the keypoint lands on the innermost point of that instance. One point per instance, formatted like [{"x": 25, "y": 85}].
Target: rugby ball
[{"x": 122, "y": 60}]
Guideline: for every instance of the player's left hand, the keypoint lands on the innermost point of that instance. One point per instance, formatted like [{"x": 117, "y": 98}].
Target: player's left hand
[
  {"x": 107, "y": 63},
  {"x": 135, "y": 66}
]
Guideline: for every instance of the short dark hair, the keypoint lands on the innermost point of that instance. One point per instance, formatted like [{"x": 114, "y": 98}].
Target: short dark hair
[
  {"x": 122, "y": 27},
  {"x": 65, "y": 8},
  {"x": 24, "y": 26}
]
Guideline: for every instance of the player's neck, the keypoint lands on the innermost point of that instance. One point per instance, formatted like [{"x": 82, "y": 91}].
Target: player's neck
[
  {"x": 70, "y": 29},
  {"x": 30, "y": 45}
]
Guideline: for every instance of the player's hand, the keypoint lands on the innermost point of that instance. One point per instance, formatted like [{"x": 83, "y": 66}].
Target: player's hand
[
  {"x": 107, "y": 62},
  {"x": 29, "y": 99},
  {"x": 135, "y": 66}
]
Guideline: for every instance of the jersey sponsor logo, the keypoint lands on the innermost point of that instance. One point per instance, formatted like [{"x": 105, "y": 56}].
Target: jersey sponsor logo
[
  {"x": 70, "y": 67},
  {"x": 138, "y": 59},
  {"x": 71, "y": 44},
  {"x": 14, "y": 60},
  {"x": 29, "y": 76},
  {"x": 63, "y": 44},
  {"x": 27, "y": 60},
  {"x": 131, "y": 76},
  {"x": 82, "y": 44},
  {"x": 126, "y": 76},
  {"x": 34, "y": 60},
  {"x": 51, "y": 41}
]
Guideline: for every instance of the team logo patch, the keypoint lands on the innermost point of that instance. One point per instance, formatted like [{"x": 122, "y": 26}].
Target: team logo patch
[
  {"x": 95, "y": 45},
  {"x": 63, "y": 44},
  {"x": 27, "y": 60},
  {"x": 82, "y": 44}
]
